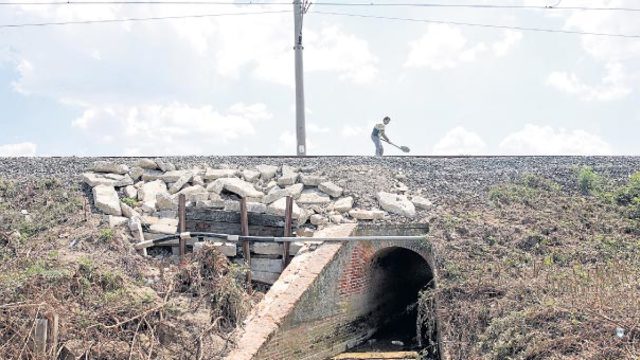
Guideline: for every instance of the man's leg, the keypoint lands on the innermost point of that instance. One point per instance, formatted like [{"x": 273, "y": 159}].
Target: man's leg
[{"x": 379, "y": 149}]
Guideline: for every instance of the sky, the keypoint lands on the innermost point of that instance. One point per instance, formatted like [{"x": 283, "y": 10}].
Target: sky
[{"x": 224, "y": 85}]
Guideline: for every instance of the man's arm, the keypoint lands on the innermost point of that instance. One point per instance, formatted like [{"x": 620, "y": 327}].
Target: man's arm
[{"x": 384, "y": 136}]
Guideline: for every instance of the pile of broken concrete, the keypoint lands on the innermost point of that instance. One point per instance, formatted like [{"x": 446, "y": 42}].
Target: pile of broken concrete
[{"x": 148, "y": 192}]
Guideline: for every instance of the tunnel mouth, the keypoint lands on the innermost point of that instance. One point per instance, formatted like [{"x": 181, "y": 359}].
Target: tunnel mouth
[{"x": 399, "y": 277}]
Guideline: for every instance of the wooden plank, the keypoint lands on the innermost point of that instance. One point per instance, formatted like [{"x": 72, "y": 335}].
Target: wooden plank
[
  {"x": 288, "y": 221},
  {"x": 182, "y": 225},
  {"x": 40, "y": 336},
  {"x": 244, "y": 226},
  {"x": 213, "y": 215},
  {"x": 54, "y": 333}
]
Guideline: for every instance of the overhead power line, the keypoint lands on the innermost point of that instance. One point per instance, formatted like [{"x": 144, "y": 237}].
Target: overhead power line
[
  {"x": 321, "y": 4},
  {"x": 61, "y": 23},
  {"x": 492, "y": 26}
]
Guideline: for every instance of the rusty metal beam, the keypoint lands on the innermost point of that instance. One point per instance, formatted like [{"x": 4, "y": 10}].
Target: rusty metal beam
[{"x": 288, "y": 221}]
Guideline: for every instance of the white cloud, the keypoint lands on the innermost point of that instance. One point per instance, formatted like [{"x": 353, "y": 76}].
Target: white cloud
[
  {"x": 511, "y": 38},
  {"x": 20, "y": 149},
  {"x": 316, "y": 129},
  {"x": 613, "y": 85},
  {"x": 445, "y": 46},
  {"x": 349, "y": 131},
  {"x": 459, "y": 141},
  {"x": 174, "y": 128},
  {"x": 545, "y": 140}
]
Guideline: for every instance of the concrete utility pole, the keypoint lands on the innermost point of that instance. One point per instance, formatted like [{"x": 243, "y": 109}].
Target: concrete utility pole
[{"x": 299, "y": 8}]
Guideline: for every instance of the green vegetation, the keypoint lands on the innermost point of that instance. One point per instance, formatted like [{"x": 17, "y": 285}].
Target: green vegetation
[
  {"x": 588, "y": 180},
  {"x": 106, "y": 235},
  {"x": 130, "y": 201}
]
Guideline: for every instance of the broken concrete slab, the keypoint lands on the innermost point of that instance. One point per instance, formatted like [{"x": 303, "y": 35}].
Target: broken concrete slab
[
  {"x": 165, "y": 165},
  {"x": 175, "y": 175},
  {"x": 216, "y": 187},
  {"x": 396, "y": 204},
  {"x": 194, "y": 193},
  {"x": 330, "y": 188},
  {"x": 242, "y": 188},
  {"x": 106, "y": 200},
  {"x": 278, "y": 207},
  {"x": 93, "y": 179},
  {"x": 131, "y": 192},
  {"x": 343, "y": 205},
  {"x": 136, "y": 173},
  {"x": 311, "y": 180},
  {"x": 117, "y": 221},
  {"x": 265, "y": 277},
  {"x": 128, "y": 211},
  {"x": 267, "y": 172},
  {"x": 421, "y": 203},
  {"x": 147, "y": 164},
  {"x": 152, "y": 175},
  {"x": 313, "y": 197},
  {"x": 181, "y": 182},
  {"x": 164, "y": 226},
  {"x": 109, "y": 167},
  {"x": 361, "y": 214},
  {"x": 318, "y": 220},
  {"x": 289, "y": 176},
  {"x": 294, "y": 190},
  {"x": 266, "y": 264},
  {"x": 166, "y": 202},
  {"x": 251, "y": 175},
  {"x": 214, "y": 174}
]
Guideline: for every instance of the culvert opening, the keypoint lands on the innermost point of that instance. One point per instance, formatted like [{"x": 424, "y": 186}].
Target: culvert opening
[{"x": 402, "y": 316}]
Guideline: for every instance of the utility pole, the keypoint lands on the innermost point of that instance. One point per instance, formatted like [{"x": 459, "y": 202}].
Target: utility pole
[{"x": 299, "y": 9}]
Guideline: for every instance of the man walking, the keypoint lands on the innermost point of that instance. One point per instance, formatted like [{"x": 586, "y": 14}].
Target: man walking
[{"x": 377, "y": 133}]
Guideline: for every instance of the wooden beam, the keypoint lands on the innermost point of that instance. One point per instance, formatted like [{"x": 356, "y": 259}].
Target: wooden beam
[
  {"x": 41, "y": 332},
  {"x": 244, "y": 227},
  {"x": 288, "y": 221},
  {"x": 182, "y": 225}
]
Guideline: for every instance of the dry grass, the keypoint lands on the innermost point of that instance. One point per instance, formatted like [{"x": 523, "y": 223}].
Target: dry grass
[
  {"x": 538, "y": 272},
  {"x": 112, "y": 303}
]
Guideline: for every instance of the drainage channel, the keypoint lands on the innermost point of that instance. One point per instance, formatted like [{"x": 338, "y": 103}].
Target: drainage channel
[{"x": 402, "y": 322}]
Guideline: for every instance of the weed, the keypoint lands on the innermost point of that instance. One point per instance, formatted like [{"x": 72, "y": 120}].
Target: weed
[
  {"x": 106, "y": 235},
  {"x": 130, "y": 201},
  {"x": 589, "y": 181}
]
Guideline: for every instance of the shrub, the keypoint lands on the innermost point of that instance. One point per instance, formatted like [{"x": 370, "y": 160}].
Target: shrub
[
  {"x": 130, "y": 201},
  {"x": 588, "y": 180},
  {"x": 106, "y": 235}
]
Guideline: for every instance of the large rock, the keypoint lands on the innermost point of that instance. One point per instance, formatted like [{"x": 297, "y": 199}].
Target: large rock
[
  {"x": 267, "y": 172},
  {"x": 252, "y": 207},
  {"x": 216, "y": 187},
  {"x": 131, "y": 192},
  {"x": 343, "y": 205},
  {"x": 147, "y": 164},
  {"x": 175, "y": 175},
  {"x": 136, "y": 173},
  {"x": 311, "y": 180},
  {"x": 289, "y": 176},
  {"x": 330, "y": 188},
  {"x": 109, "y": 167},
  {"x": 194, "y": 193},
  {"x": 318, "y": 220},
  {"x": 165, "y": 165},
  {"x": 181, "y": 182},
  {"x": 251, "y": 175},
  {"x": 166, "y": 202},
  {"x": 164, "y": 226},
  {"x": 152, "y": 175},
  {"x": 242, "y": 188},
  {"x": 106, "y": 200},
  {"x": 117, "y": 221},
  {"x": 396, "y": 204},
  {"x": 313, "y": 197},
  {"x": 277, "y": 193},
  {"x": 421, "y": 203},
  {"x": 278, "y": 208},
  {"x": 149, "y": 192},
  {"x": 114, "y": 180},
  {"x": 128, "y": 212},
  {"x": 213, "y": 174},
  {"x": 361, "y": 214}
]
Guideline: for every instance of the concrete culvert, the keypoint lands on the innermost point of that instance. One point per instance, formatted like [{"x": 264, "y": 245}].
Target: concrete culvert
[{"x": 398, "y": 276}]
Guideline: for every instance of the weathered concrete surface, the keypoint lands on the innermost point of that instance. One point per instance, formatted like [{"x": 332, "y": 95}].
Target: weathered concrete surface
[
  {"x": 324, "y": 303},
  {"x": 267, "y": 317}
]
